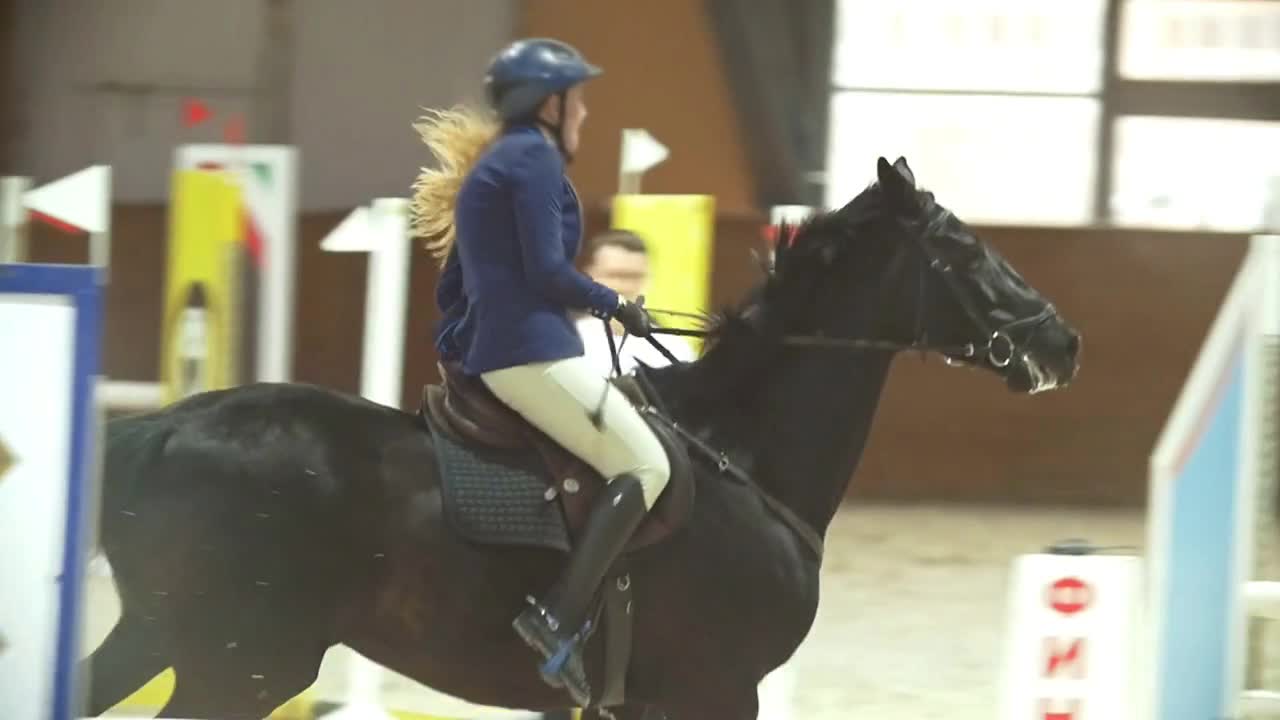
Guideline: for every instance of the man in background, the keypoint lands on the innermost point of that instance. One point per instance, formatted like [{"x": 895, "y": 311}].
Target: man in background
[{"x": 619, "y": 259}]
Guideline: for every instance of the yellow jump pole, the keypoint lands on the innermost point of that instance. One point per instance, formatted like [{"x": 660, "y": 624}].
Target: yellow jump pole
[{"x": 200, "y": 335}]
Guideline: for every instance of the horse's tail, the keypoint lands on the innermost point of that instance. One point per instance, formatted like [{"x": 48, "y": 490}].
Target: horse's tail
[{"x": 456, "y": 137}]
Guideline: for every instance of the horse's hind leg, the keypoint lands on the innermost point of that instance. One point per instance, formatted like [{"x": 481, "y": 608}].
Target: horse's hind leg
[
  {"x": 196, "y": 698},
  {"x": 241, "y": 666},
  {"x": 248, "y": 687},
  {"x": 129, "y": 657}
]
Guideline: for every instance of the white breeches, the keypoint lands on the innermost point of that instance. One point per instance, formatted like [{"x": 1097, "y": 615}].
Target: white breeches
[{"x": 557, "y": 398}]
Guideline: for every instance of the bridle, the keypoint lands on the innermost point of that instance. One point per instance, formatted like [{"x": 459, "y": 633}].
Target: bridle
[{"x": 1000, "y": 344}]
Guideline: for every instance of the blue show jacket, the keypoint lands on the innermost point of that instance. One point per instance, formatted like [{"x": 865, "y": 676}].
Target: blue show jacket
[{"x": 509, "y": 285}]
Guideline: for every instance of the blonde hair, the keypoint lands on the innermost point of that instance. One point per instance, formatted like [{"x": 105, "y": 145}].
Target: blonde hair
[{"x": 456, "y": 137}]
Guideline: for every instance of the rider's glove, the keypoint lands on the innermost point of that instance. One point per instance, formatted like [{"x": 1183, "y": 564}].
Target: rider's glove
[{"x": 634, "y": 318}]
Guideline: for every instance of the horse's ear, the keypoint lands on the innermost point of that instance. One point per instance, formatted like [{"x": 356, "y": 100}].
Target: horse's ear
[
  {"x": 899, "y": 188},
  {"x": 901, "y": 165},
  {"x": 884, "y": 171}
]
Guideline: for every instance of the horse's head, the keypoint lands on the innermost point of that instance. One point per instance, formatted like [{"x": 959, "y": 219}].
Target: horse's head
[{"x": 928, "y": 282}]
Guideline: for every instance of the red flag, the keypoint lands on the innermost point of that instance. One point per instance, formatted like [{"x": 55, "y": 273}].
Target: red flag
[
  {"x": 52, "y": 221},
  {"x": 253, "y": 240},
  {"x": 770, "y": 233},
  {"x": 194, "y": 112}
]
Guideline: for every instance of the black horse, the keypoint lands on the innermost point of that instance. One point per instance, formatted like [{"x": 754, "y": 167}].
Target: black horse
[{"x": 251, "y": 529}]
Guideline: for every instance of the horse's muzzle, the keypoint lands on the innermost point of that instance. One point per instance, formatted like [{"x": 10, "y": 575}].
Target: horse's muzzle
[{"x": 1049, "y": 361}]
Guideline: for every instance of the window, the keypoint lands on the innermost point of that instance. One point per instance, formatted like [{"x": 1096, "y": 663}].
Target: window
[
  {"x": 989, "y": 158},
  {"x": 1196, "y": 173},
  {"x": 1037, "y": 46},
  {"x": 1223, "y": 40},
  {"x": 993, "y": 102}
]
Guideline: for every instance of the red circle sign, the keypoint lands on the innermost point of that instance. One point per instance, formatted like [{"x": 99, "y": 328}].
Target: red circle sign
[{"x": 1069, "y": 595}]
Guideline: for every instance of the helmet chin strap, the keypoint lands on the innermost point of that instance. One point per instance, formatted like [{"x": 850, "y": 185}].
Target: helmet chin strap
[{"x": 557, "y": 129}]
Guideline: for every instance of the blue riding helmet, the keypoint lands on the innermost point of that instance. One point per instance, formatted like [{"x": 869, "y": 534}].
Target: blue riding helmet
[{"x": 529, "y": 71}]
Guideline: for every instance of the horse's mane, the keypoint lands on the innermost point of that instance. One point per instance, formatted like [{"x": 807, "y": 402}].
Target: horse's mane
[{"x": 745, "y": 339}]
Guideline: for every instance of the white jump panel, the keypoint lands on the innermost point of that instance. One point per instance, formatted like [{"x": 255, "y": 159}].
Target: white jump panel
[{"x": 49, "y": 329}]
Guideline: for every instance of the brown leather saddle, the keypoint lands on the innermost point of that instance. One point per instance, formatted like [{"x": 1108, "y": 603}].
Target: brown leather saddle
[{"x": 463, "y": 406}]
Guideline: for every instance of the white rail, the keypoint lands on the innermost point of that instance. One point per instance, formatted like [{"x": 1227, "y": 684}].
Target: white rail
[
  {"x": 1260, "y": 704},
  {"x": 1262, "y": 599},
  {"x": 130, "y": 395}
]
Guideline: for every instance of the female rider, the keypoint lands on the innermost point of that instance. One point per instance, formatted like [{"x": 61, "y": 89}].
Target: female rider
[{"x": 507, "y": 225}]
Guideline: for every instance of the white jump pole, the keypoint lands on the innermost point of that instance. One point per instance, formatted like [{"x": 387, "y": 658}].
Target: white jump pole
[
  {"x": 383, "y": 232},
  {"x": 386, "y": 302},
  {"x": 1261, "y": 597},
  {"x": 13, "y": 216}
]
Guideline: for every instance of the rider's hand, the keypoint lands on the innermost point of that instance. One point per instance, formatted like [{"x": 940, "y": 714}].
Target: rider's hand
[{"x": 634, "y": 318}]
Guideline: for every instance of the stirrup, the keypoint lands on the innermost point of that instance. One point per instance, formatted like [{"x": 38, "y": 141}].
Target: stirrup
[
  {"x": 562, "y": 662},
  {"x": 554, "y": 665}
]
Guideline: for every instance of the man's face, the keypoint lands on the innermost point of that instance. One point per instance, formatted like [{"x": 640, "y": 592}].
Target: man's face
[{"x": 623, "y": 271}]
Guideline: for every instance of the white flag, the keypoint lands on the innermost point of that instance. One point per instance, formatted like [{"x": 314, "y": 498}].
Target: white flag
[
  {"x": 81, "y": 200},
  {"x": 640, "y": 151},
  {"x": 353, "y": 234}
]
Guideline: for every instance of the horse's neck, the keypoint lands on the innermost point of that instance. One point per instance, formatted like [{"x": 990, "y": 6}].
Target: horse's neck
[
  {"x": 796, "y": 417},
  {"x": 797, "y": 420},
  {"x": 813, "y": 422}
]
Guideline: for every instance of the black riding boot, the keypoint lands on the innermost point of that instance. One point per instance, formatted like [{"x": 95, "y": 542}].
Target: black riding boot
[{"x": 556, "y": 626}]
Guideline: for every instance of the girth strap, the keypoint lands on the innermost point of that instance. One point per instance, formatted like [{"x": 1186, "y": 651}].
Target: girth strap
[
  {"x": 618, "y": 620},
  {"x": 810, "y": 537}
]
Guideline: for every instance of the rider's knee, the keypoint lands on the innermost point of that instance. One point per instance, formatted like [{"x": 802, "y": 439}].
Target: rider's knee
[{"x": 653, "y": 477}]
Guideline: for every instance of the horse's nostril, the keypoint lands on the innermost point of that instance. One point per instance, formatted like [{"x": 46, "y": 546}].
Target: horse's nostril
[{"x": 1073, "y": 345}]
